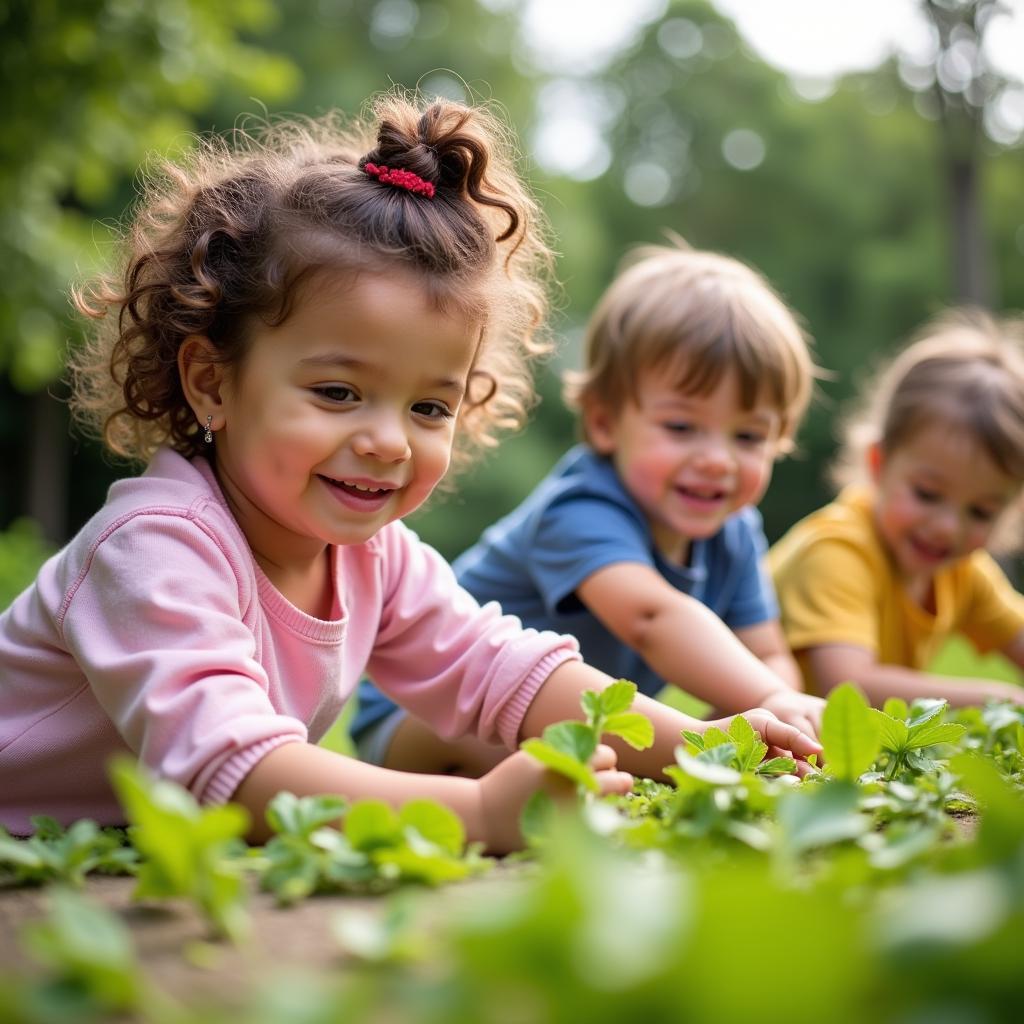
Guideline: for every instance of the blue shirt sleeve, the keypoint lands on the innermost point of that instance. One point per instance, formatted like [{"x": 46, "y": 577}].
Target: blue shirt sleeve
[
  {"x": 753, "y": 599},
  {"x": 577, "y": 535}
]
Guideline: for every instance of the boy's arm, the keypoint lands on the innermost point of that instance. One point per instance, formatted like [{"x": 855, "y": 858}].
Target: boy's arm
[
  {"x": 767, "y": 643},
  {"x": 832, "y": 664},
  {"x": 559, "y": 699},
  {"x": 681, "y": 639}
]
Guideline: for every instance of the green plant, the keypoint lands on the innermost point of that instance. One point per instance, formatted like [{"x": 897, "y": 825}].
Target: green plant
[{"x": 567, "y": 747}]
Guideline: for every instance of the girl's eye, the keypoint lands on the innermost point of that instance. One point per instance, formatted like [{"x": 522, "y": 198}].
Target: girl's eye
[
  {"x": 751, "y": 437},
  {"x": 432, "y": 410},
  {"x": 982, "y": 515},
  {"x": 335, "y": 393},
  {"x": 925, "y": 495},
  {"x": 679, "y": 427}
]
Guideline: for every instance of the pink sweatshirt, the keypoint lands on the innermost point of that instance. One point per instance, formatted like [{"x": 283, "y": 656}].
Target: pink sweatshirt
[{"x": 155, "y": 632}]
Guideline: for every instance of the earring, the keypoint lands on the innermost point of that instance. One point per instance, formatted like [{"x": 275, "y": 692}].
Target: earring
[{"x": 208, "y": 435}]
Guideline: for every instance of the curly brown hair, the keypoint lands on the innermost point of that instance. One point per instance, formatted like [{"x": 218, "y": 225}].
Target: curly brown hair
[{"x": 231, "y": 232}]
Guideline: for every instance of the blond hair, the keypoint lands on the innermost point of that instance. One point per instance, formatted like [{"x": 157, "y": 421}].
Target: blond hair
[
  {"x": 704, "y": 314},
  {"x": 233, "y": 231}
]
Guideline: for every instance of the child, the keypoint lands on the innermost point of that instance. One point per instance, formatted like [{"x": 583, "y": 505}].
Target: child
[
  {"x": 302, "y": 338},
  {"x": 874, "y": 583},
  {"x": 644, "y": 543}
]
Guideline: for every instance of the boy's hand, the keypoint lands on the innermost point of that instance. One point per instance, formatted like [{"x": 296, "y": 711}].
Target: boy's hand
[
  {"x": 783, "y": 740},
  {"x": 802, "y": 710},
  {"x": 505, "y": 789}
]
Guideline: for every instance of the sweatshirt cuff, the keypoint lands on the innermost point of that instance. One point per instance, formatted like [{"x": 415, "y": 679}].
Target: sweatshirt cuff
[
  {"x": 510, "y": 718},
  {"x": 221, "y": 788}
]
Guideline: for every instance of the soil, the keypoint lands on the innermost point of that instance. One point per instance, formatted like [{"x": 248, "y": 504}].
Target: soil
[{"x": 178, "y": 956}]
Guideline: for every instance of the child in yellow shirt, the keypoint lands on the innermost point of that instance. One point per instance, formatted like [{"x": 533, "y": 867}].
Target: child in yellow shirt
[{"x": 871, "y": 585}]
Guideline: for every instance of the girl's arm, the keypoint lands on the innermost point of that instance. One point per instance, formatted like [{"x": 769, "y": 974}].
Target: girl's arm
[
  {"x": 1014, "y": 650},
  {"x": 832, "y": 664},
  {"x": 489, "y": 807},
  {"x": 681, "y": 639},
  {"x": 559, "y": 699}
]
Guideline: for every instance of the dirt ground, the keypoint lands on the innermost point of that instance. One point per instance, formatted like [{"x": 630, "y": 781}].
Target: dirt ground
[{"x": 176, "y": 953}]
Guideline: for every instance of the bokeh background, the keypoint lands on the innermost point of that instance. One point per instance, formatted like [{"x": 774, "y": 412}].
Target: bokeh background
[{"x": 868, "y": 158}]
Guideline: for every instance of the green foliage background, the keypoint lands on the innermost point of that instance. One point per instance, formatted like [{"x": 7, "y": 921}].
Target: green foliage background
[{"x": 847, "y": 214}]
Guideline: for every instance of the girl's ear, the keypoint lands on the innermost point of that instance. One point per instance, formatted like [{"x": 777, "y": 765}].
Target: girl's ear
[
  {"x": 202, "y": 379},
  {"x": 599, "y": 426},
  {"x": 876, "y": 460}
]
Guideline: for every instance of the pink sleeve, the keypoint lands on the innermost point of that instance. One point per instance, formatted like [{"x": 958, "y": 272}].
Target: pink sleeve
[
  {"x": 156, "y": 624},
  {"x": 460, "y": 667}
]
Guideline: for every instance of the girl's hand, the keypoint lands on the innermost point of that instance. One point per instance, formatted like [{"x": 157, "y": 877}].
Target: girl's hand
[
  {"x": 989, "y": 690},
  {"x": 802, "y": 710},
  {"x": 505, "y": 789},
  {"x": 783, "y": 740}
]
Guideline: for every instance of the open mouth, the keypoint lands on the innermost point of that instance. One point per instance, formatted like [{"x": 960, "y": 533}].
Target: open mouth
[
  {"x": 709, "y": 496},
  {"x": 356, "y": 495},
  {"x": 930, "y": 552}
]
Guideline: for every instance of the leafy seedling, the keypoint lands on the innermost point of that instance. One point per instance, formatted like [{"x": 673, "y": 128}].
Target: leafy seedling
[
  {"x": 904, "y": 738},
  {"x": 740, "y": 749},
  {"x": 567, "y": 747},
  {"x": 56, "y": 854},
  {"x": 188, "y": 852},
  {"x": 851, "y": 733},
  {"x": 374, "y": 847}
]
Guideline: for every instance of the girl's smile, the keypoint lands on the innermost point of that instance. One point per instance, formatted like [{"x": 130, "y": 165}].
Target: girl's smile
[
  {"x": 939, "y": 496},
  {"x": 341, "y": 419}
]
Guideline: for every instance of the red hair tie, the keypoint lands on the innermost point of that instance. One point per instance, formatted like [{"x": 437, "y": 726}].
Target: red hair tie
[{"x": 401, "y": 179}]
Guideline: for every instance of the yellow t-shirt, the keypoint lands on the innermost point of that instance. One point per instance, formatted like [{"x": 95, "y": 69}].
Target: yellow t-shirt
[{"x": 837, "y": 585}]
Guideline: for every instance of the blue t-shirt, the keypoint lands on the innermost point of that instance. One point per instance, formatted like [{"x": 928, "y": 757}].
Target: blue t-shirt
[{"x": 578, "y": 520}]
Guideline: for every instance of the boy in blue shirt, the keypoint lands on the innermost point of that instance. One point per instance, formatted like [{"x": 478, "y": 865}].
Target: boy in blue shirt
[{"x": 644, "y": 543}]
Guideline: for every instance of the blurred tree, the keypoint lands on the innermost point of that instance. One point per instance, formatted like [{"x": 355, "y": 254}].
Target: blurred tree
[
  {"x": 966, "y": 91},
  {"x": 90, "y": 88},
  {"x": 837, "y": 197}
]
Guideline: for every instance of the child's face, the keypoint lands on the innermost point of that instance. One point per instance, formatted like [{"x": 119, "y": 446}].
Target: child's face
[
  {"x": 938, "y": 498},
  {"x": 688, "y": 460},
  {"x": 341, "y": 419}
]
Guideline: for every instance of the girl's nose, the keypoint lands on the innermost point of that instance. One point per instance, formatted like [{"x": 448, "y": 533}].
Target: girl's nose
[{"x": 383, "y": 437}]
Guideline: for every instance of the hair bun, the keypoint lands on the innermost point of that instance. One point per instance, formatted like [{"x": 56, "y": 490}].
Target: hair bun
[{"x": 442, "y": 145}]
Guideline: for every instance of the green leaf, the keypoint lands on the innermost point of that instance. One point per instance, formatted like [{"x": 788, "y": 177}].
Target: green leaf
[
  {"x": 935, "y": 732},
  {"x": 557, "y": 760},
  {"x": 706, "y": 770},
  {"x": 591, "y": 701},
  {"x": 636, "y": 729},
  {"x": 289, "y": 814},
  {"x": 714, "y": 737},
  {"x": 815, "y": 816},
  {"x": 850, "y": 733},
  {"x": 535, "y": 819},
  {"x": 573, "y": 739},
  {"x": 896, "y": 707},
  {"x": 893, "y": 731},
  {"x": 371, "y": 824},
  {"x": 924, "y": 710},
  {"x": 618, "y": 697},
  {"x": 776, "y": 766},
  {"x": 749, "y": 746},
  {"x": 694, "y": 738},
  {"x": 436, "y": 823}
]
